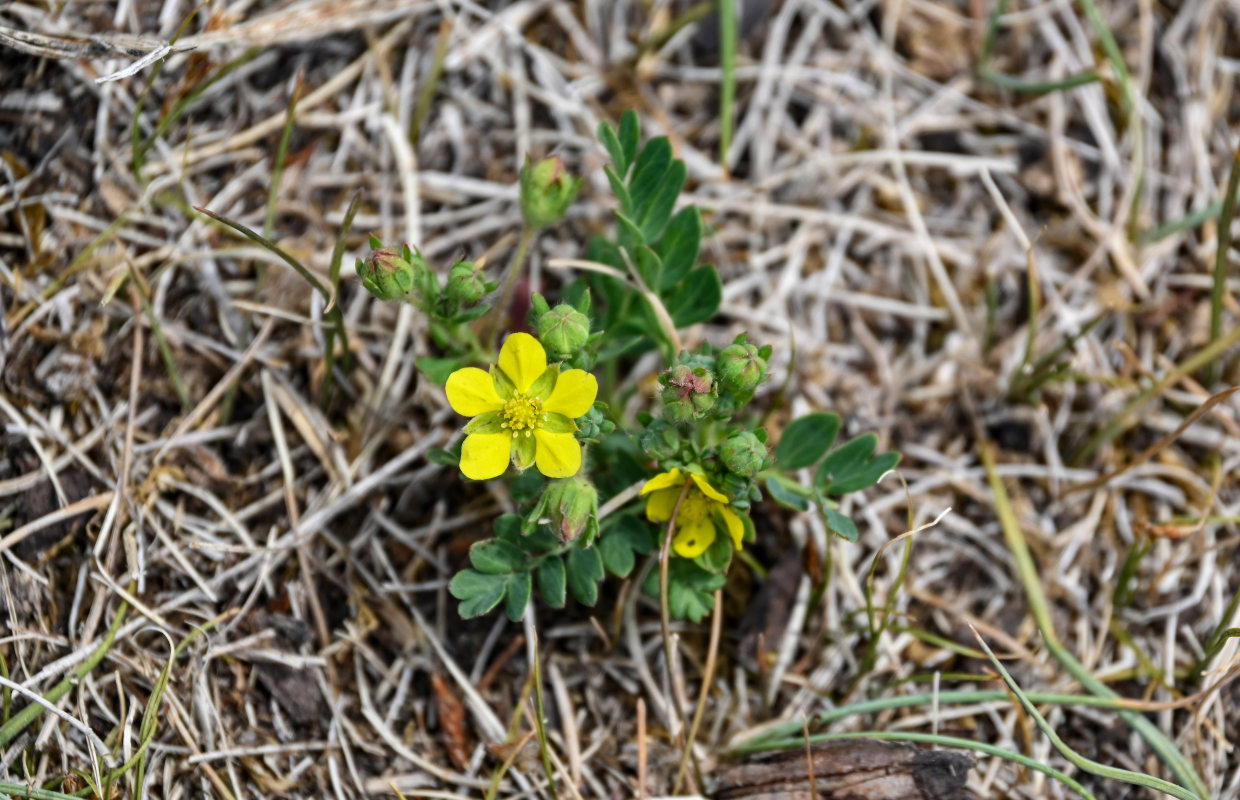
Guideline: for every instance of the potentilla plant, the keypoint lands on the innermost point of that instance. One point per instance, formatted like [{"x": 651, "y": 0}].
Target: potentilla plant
[{"x": 539, "y": 411}]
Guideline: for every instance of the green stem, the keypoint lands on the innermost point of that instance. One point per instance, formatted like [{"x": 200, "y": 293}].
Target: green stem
[
  {"x": 500, "y": 312},
  {"x": 727, "y": 85}
]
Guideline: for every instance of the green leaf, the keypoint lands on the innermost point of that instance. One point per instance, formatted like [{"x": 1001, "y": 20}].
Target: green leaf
[
  {"x": 619, "y": 190},
  {"x": 473, "y": 313},
  {"x": 653, "y": 218},
  {"x": 438, "y": 369},
  {"x": 630, "y": 134},
  {"x": 508, "y": 526},
  {"x": 696, "y": 298},
  {"x": 649, "y": 172},
  {"x": 690, "y": 589},
  {"x": 630, "y": 237},
  {"x": 585, "y": 570},
  {"x": 621, "y": 541},
  {"x": 477, "y": 592},
  {"x": 865, "y": 476},
  {"x": 611, "y": 142},
  {"x": 518, "y": 595},
  {"x": 496, "y": 557},
  {"x": 445, "y": 458},
  {"x": 777, "y": 488},
  {"x": 680, "y": 246},
  {"x": 838, "y": 523},
  {"x": 649, "y": 266},
  {"x": 852, "y": 466},
  {"x": 806, "y": 439},
  {"x": 551, "y": 581}
]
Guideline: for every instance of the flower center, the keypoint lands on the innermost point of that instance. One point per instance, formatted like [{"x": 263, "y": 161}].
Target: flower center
[
  {"x": 695, "y": 506},
  {"x": 523, "y": 413}
]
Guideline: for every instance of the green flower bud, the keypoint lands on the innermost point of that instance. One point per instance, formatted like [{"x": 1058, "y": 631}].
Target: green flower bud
[
  {"x": 741, "y": 368},
  {"x": 688, "y": 392},
  {"x": 546, "y": 191},
  {"x": 744, "y": 454},
  {"x": 571, "y": 504},
  {"x": 466, "y": 283},
  {"x": 593, "y": 426},
  {"x": 563, "y": 330},
  {"x": 386, "y": 275}
]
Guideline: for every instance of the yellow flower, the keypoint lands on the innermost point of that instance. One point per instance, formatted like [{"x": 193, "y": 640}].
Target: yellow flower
[
  {"x": 701, "y": 512},
  {"x": 523, "y": 412}
]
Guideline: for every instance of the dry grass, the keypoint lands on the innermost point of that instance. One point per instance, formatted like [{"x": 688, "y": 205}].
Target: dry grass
[{"x": 879, "y": 197}]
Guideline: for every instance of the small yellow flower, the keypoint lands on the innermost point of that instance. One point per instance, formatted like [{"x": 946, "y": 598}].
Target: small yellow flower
[
  {"x": 523, "y": 412},
  {"x": 702, "y": 511}
]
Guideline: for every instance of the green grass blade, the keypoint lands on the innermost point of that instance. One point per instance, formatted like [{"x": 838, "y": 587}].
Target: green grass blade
[
  {"x": 1028, "y": 575},
  {"x": 183, "y": 106},
  {"x": 331, "y": 311},
  {"x": 1089, "y": 765},
  {"x": 32, "y": 712},
  {"x": 165, "y": 350},
  {"x": 277, "y": 169},
  {"x": 1219, "y": 290}
]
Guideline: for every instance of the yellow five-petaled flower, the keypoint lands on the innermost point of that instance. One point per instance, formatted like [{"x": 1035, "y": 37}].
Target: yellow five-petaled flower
[
  {"x": 522, "y": 411},
  {"x": 703, "y": 509}
]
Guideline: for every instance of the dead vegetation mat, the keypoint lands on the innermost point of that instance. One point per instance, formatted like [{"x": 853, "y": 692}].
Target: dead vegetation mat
[{"x": 912, "y": 238}]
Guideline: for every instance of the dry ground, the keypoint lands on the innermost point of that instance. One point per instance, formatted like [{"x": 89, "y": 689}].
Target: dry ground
[{"x": 874, "y": 221}]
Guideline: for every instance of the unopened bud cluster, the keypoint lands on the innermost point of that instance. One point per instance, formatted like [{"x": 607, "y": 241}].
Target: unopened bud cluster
[
  {"x": 702, "y": 386},
  {"x": 403, "y": 274}
]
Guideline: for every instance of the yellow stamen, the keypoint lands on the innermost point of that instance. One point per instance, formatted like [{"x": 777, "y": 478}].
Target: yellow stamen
[{"x": 523, "y": 413}]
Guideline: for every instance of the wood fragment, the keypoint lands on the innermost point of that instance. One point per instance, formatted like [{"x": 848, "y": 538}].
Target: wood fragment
[{"x": 853, "y": 769}]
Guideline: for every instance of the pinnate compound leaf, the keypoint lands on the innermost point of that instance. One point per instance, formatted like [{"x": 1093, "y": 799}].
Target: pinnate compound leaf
[
  {"x": 478, "y": 593},
  {"x": 585, "y": 570},
  {"x": 806, "y": 439}
]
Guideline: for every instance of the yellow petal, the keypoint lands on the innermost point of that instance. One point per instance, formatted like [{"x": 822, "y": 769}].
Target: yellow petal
[
  {"x": 573, "y": 394},
  {"x": 663, "y": 480},
  {"x": 707, "y": 489},
  {"x": 693, "y": 539},
  {"x": 559, "y": 454},
  {"x": 659, "y": 506},
  {"x": 523, "y": 360},
  {"x": 486, "y": 455},
  {"x": 736, "y": 528},
  {"x": 471, "y": 392}
]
